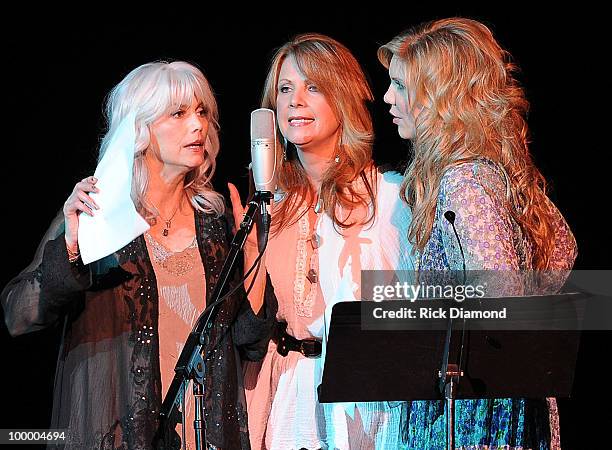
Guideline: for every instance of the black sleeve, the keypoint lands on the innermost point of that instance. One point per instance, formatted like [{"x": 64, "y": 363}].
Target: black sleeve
[
  {"x": 36, "y": 297},
  {"x": 251, "y": 332}
]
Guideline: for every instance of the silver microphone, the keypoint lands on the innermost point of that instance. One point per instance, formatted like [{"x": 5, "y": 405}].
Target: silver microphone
[{"x": 263, "y": 149}]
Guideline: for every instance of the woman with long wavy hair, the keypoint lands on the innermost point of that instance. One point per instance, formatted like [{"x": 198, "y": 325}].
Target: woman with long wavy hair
[
  {"x": 454, "y": 96},
  {"x": 126, "y": 315},
  {"x": 334, "y": 215}
]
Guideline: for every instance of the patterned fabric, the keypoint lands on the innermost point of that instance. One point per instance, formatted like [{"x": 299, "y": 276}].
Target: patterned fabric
[
  {"x": 303, "y": 303},
  {"x": 108, "y": 384},
  {"x": 491, "y": 240},
  {"x": 173, "y": 263}
]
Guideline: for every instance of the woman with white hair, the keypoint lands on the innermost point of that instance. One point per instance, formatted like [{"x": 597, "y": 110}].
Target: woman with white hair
[{"x": 126, "y": 316}]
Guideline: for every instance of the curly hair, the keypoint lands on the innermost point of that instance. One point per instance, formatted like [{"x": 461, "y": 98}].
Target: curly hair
[{"x": 473, "y": 108}]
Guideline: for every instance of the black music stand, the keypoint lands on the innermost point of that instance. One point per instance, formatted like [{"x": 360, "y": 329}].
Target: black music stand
[{"x": 364, "y": 365}]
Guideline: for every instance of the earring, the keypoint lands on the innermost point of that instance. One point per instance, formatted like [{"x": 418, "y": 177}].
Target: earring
[
  {"x": 284, "y": 149},
  {"x": 337, "y": 159}
]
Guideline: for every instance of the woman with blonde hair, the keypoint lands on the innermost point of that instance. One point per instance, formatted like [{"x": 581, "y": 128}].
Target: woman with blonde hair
[
  {"x": 127, "y": 312},
  {"x": 334, "y": 216},
  {"x": 454, "y": 96}
]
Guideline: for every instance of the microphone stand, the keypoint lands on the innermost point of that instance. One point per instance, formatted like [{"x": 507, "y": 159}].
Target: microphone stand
[
  {"x": 190, "y": 364},
  {"x": 449, "y": 376},
  {"x": 450, "y": 373}
]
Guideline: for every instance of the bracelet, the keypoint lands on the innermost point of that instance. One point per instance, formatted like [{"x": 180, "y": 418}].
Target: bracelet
[{"x": 73, "y": 255}]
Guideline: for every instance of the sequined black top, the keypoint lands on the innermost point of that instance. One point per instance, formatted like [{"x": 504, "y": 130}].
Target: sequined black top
[{"x": 107, "y": 391}]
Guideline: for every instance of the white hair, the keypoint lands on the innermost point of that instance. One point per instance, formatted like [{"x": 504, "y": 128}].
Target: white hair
[{"x": 151, "y": 91}]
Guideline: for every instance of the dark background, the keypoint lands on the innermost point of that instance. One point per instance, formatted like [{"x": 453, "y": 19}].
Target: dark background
[{"x": 58, "y": 71}]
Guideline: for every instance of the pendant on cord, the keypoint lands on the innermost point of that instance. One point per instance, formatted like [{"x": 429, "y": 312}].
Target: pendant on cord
[
  {"x": 312, "y": 276},
  {"x": 165, "y": 232}
]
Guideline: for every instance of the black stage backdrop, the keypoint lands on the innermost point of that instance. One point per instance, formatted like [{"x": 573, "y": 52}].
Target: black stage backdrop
[{"x": 58, "y": 71}]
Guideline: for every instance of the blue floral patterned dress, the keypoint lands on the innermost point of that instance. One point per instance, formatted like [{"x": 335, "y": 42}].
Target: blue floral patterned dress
[{"x": 491, "y": 240}]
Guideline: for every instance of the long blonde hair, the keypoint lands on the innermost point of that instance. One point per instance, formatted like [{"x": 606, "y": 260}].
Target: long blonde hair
[
  {"x": 474, "y": 108},
  {"x": 151, "y": 91},
  {"x": 337, "y": 74}
]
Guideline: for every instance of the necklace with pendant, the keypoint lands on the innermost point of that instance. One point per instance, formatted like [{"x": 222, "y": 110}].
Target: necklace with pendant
[{"x": 168, "y": 222}]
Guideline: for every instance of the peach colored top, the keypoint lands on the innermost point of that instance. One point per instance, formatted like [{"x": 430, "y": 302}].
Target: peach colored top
[{"x": 181, "y": 284}]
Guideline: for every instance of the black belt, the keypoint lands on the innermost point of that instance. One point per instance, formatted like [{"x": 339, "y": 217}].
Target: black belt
[{"x": 285, "y": 343}]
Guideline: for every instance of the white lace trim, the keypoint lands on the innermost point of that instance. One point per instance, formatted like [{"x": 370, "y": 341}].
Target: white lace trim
[
  {"x": 175, "y": 263},
  {"x": 303, "y": 303}
]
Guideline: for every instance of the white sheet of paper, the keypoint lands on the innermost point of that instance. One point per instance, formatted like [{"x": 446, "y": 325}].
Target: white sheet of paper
[{"x": 117, "y": 222}]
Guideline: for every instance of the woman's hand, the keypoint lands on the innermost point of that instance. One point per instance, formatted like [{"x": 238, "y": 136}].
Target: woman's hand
[
  {"x": 250, "y": 253},
  {"x": 79, "y": 201},
  {"x": 238, "y": 211}
]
